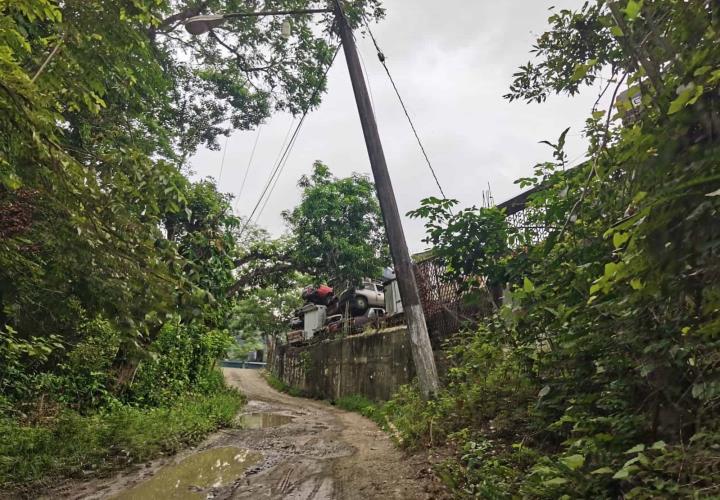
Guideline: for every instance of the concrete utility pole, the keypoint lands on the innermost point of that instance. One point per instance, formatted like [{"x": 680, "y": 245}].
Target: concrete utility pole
[{"x": 414, "y": 316}]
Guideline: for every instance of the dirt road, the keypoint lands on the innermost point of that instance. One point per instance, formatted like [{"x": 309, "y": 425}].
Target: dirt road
[{"x": 317, "y": 452}]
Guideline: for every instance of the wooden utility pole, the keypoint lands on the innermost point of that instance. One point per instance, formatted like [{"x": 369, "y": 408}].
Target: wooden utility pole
[{"x": 415, "y": 318}]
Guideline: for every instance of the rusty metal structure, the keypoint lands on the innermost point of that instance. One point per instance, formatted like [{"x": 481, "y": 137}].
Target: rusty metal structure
[
  {"x": 519, "y": 215},
  {"x": 441, "y": 299}
]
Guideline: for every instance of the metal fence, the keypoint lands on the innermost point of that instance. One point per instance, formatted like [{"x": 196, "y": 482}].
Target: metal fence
[
  {"x": 442, "y": 299},
  {"x": 523, "y": 218}
]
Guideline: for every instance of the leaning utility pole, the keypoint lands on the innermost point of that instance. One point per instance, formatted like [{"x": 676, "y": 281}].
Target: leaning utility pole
[{"x": 419, "y": 338}]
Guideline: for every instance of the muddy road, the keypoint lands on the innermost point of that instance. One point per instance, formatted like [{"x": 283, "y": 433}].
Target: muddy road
[{"x": 289, "y": 448}]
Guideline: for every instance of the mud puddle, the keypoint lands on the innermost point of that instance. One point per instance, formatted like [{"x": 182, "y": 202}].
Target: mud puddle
[
  {"x": 263, "y": 420},
  {"x": 188, "y": 479}
]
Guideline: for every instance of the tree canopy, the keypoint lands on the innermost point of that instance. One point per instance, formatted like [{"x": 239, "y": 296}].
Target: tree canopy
[
  {"x": 337, "y": 228},
  {"x": 335, "y": 236}
]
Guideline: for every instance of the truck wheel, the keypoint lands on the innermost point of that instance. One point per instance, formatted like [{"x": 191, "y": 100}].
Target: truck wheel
[{"x": 361, "y": 303}]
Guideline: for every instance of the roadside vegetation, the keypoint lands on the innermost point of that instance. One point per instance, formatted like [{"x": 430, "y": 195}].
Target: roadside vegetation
[
  {"x": 279, "y": 385},
  {"x": 69, "y": 444},
  {"x": 362, "y": 405},
  {"x": 598, "y": 376}
]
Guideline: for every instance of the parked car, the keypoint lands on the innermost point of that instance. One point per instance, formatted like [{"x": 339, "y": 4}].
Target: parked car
[
  {"x": 371, "y": 316},
  {"x": 367, "y": 294},
  {"x": 334, "y": 323}
]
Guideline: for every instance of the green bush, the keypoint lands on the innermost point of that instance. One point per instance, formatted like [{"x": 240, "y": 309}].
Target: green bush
[
  {"x": 279, "y": 385},
  {"x": 73, "y": 444},
  {"x": 363, "y": 406},
  {"x": 83, "y": 377},
  {"x": 599, "y": 377},
  {"x": 181, "y": 358}
]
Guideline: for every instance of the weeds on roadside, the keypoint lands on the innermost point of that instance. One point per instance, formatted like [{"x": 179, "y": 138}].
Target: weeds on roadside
[
  {"x": 281, "y": 386},
  {"x": 73, "y": 444}
]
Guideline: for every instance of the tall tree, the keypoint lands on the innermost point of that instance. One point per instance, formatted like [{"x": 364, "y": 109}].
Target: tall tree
[
  {"x": 335, "y": 235},
  {"x": 101, "y": 104},
  {"x": 337, "y": 228}
]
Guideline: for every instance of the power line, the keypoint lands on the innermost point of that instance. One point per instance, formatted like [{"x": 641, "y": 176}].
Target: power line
[
  {"x": 276, "y": 172},
  {"x": 367, "y": 79},
  {"x": 272, "y": 189},
  {"x": 281, "y": 164},
  {"x": 222, "y": 162},
  {"x": 276, "y": 162},
  {"x": 381, "y": 57},
  {"x": 278, "y": 168},
  {"x": 247, "y": 169},
  {"x": 284, "y": 142}
]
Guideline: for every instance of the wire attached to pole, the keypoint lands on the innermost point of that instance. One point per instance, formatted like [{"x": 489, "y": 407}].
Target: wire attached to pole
[
  {"x": 381, "y": 57},
  {"x": 247, "y": 169},
  {"x": 222, "y": 162},
  {"x": 281, "y": 164}
]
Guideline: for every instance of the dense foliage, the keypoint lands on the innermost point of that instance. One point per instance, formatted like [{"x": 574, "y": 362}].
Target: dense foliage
[
  {"x": 116, "y": 271},
  {"x": 337, "y": 228},
  {"x": 471, "y": 243},
  {"x": 264, "y": 312},
  {"x": 598, "y": 377},
  {"x": 73, "y": 445}
]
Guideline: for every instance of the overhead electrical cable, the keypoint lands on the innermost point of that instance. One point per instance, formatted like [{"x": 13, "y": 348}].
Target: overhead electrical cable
[
  {"x": 222, "y": 162},
  {"x": 277, "y": 178},
  {"x": 381, "y": 57},
  {"x": 284, "y": 143},
  {"x": 367, "y": 79},
  {"x": 275, "y": 163},
  {"x": 249, "y": 164},
  {"x": 279, "y": 166},
  {"x": 277, "y": 170}
]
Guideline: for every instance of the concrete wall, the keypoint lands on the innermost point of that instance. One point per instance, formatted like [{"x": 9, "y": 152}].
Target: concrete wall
[{"x": 374, "y": 365}]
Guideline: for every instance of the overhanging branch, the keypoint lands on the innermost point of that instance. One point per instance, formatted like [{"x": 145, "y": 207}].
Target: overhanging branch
[{"x": 254, "y": 277}]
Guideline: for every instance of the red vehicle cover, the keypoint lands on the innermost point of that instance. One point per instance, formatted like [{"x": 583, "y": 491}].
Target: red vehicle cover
[
  {"x": 324, "y": 291},
  {"x": 318, "y": 294}
]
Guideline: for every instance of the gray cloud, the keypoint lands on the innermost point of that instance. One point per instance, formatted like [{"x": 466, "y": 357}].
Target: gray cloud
[{"x": 453, "y": 61}]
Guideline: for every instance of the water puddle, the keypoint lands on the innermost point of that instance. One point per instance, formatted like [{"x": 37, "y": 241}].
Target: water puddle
[
  {"x": 187, "y": 480},
  {"x": 263, "y": 420}
]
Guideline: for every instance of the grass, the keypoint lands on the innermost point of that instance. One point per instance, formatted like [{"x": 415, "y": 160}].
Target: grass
[
  {"x": 75, "y": 445},
  {"x": 355, "y": 403},
  {"x": 279, "y": 385},
  {"x": 362, "y": 405}
]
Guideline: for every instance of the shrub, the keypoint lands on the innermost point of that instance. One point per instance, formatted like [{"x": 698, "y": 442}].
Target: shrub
[
  {"x": 73, "y": 444},
  {"x": 363, "y": 406},
  {"x": 181, "y": 358}
]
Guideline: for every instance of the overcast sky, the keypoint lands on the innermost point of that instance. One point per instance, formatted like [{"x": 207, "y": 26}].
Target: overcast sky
[{"x": 452, "y": 61}]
